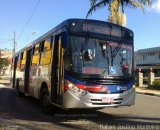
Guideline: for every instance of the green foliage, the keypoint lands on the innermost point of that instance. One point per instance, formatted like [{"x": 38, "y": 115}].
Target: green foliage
[
  {"x": 3, "y": 63},
  {"x": 157, "y": 82},
  {"x": 156, "y": 85},
  {"x": 116, "y": 8}
]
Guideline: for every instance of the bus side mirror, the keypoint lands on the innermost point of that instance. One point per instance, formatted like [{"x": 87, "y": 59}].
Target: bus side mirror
[{"x": 64, "y": 40}]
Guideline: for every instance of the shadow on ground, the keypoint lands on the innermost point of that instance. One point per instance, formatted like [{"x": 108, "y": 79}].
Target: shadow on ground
[{"x": 28, "y": 109}]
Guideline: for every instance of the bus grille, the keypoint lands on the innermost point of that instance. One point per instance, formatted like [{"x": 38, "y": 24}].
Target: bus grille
[
  {"x": 108, "y": 81},
  {"x": 105, "y": 92},
  {"x": 99, "y": 101}
]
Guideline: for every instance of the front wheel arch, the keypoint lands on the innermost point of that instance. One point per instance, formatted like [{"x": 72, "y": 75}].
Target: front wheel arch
[{"x": 44, "y": 98}]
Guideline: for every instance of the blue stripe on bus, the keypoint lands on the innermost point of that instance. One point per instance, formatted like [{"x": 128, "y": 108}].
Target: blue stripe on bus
[{"x": 117, "y": 88}]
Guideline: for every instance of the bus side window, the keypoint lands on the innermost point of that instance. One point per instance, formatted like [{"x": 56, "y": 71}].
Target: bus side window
[
  {"x": 36, "y": 55},
  {"x": 47, "y": 44},
  {"x": 36, "y": 49},
  {"x": 46, "y": 52},
  {"x": 19, "y": 60},
  {"x": 23, "y": 62}
]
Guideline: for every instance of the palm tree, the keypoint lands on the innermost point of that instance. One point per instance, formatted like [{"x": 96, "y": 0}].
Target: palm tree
[{"x": 116, "y": 8}]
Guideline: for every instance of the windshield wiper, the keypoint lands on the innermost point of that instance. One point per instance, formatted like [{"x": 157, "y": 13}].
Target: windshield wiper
[
  {"x": 114, "y": 52},
  {"x": 83, "y": 44}
]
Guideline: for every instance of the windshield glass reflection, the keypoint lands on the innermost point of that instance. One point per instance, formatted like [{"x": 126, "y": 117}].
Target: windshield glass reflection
[{"x": 95, "y": 56}]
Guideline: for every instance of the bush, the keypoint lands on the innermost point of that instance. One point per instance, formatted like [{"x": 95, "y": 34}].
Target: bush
[
  {"x": 155, "y": 85},
  {"x": 156, "y": 82},
  {"x": 3, "y": 63}
]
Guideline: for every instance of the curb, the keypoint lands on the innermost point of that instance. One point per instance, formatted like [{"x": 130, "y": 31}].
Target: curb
[
  {"x": 151, "y": 94},
  {"x": 5, "y": 83}
]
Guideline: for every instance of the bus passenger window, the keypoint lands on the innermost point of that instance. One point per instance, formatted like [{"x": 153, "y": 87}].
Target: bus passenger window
[
  {"x": 24, "y": 59},
  {"x": 35, "y": 59},
  {"x": 24, "y": 55},
  {"x": 36, "y": 50},
  {"x": 36, "y": 55},
  {"x": 47, "y": 44},
  {"x": 18, "y": 62},
  {"x": 46, "y": 52},
  {"x": 45, "y": 58},
  {"x": 21, "y": 56}
]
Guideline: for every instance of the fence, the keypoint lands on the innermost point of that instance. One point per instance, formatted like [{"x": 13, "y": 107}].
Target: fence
[{"x": 143, "y": 81}]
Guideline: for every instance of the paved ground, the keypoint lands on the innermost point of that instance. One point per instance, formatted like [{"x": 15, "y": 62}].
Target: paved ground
[{"x": 24, "y": 114}]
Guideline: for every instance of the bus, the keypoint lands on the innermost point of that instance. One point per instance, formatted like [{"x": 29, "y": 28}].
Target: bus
[{"x": 80, "y": 63}]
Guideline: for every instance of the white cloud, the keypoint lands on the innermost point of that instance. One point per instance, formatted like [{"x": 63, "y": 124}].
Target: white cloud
[{"x": 156, "y": 6}]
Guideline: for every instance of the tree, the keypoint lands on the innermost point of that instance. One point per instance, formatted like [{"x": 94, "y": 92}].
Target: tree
[
  {"x": 116, "y": 8},
  {"x": 3, "y": 63}
]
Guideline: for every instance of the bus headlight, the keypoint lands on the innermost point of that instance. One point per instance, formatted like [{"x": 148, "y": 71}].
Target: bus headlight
[
  {"x": 75, "y": 90},
  {"x": 128, "y": 91},
  {"x": 83, "y": 92}
]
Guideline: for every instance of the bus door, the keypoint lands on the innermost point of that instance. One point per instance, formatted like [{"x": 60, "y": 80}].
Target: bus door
[
  {"x": 14, "y": 70},
  {"x": 27, "y": 71},
  {"x": 57, "y": 88}
]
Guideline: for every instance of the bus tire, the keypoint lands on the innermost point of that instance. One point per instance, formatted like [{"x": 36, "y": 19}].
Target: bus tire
[
  {"x": 44, "y": 101},
  {"x": 19, "y": 94}
]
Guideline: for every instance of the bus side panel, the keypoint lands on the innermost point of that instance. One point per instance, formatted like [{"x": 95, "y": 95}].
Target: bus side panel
[
  {"x": 34, "y": 81},
  {"x": 44, "y": 79},
  {"x": 40, "y": 67}
]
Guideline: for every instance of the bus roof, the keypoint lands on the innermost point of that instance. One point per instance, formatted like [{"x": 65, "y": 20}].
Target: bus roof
[{"x": 65, "y": 23}]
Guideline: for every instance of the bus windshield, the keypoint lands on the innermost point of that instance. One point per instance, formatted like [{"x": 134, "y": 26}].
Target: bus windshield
[{"x": 92, "y": 56}]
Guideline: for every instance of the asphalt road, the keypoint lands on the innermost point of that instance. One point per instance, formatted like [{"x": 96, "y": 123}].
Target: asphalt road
[{"x": 24, "y": 114}]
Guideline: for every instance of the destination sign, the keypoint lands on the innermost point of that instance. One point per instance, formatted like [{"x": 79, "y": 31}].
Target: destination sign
[
  {"x": 96, "y": 29},
  {"x": 106, "y": 30},
  {"x": 115, "y": 31}
]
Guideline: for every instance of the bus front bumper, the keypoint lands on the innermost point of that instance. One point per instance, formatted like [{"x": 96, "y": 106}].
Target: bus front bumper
[{"x": 92, "y": 100}]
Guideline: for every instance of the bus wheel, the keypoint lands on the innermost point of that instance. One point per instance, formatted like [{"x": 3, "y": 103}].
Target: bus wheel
[
  {"x": 19, "y": 94},
  {"x": 44, "y": 101}
]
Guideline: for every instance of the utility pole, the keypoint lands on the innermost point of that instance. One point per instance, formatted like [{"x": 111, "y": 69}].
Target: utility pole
[{"x": 14, "y": 47}]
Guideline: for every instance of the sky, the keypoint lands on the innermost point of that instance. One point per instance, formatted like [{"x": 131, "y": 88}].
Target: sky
[{"x": 32, "y": 18}]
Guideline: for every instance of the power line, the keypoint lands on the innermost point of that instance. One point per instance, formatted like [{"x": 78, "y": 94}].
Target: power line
[
  {"x": 6, "y": 41},
  {"x": 29, "y": 20}
]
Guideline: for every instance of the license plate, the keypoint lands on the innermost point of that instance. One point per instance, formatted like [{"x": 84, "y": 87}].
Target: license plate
[{"x": 107, "y": 100}]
